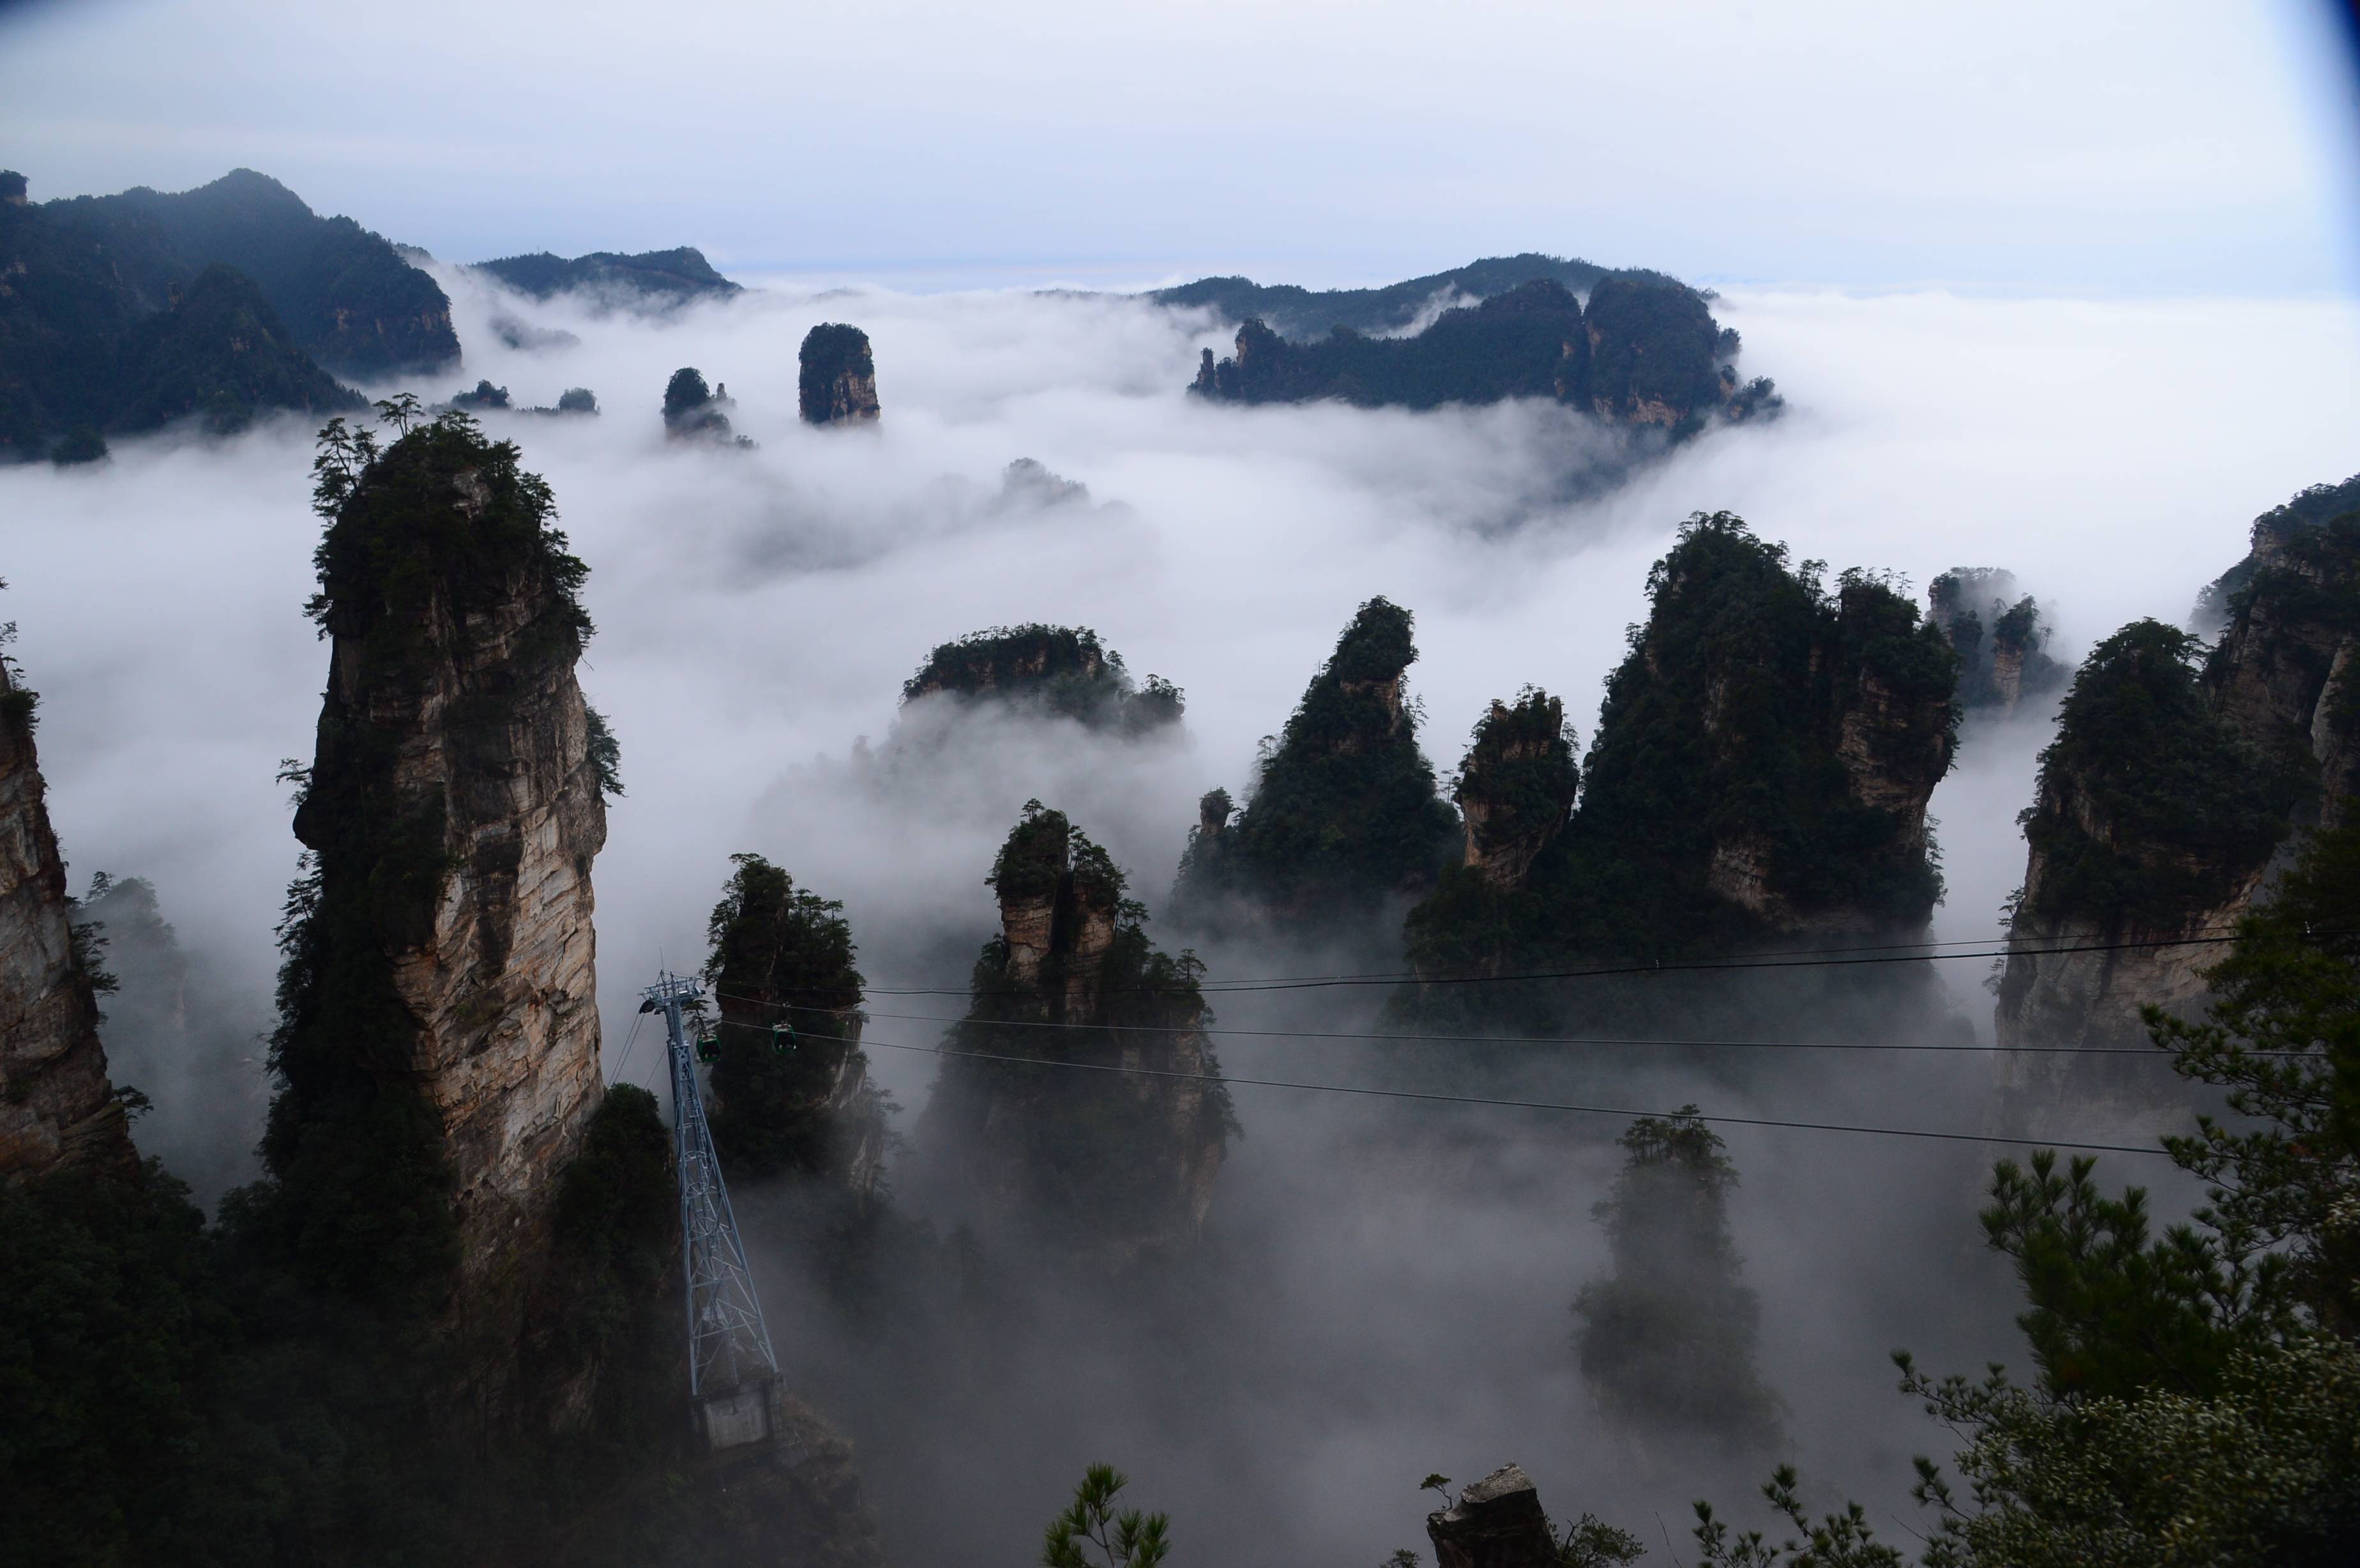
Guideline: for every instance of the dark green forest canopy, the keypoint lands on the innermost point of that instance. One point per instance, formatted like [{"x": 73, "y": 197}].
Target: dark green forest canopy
[
  {"x": 1062, "y": 670},
  {"x": 1723, "y": 734},
  {"x": 2307, "y": 509},
  {"x": 1298, "y": 312},
  {"x": 664, "y": 276},
  {"x": 109, "y": 326},
  {"x": 347, "y": 294},
  {"x": 1645, "y": 350},
  {"x": 2191, "y": 807},
  {"x": 1345, "y": 812},
  {"x": 780, "y": 956}
]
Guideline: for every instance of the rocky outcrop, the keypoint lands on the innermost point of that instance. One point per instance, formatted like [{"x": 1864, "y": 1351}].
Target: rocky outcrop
[
  {"x": 1773, "y": 745},
  {"x": 2172, "y": 789},
  {"x": 444, "y": 959},
  {"x": 1344, "y": 817},
  {"x": 2002, "y": 646},
  {"x": 694, "y": 411},
  {"x": 838, "y": 381},
  {"x": 57, "y": 1109},
  {"x": 1112, "y": 1164},
  {"x": 1064, "y": 671},
  {"x": 791, "y": 1086},
  {"x": 1497, "y": 1522},
  {"x": 1516, "y": 788},
  {"x": 1644, "y": 351},
  {"x": 1762, "y": 769},
  {"x": 658, "y": 278}
]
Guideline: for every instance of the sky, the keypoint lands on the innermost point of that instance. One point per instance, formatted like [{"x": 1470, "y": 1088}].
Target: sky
[{"x": 2107, "y": 146}]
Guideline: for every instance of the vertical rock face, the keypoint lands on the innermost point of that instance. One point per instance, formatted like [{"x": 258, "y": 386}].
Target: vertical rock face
[
  {"x": 1762, "y": 768},
  {"x": 446, "y": 958},
  {"x": 2170, "y": 787},
  {"x": 1345, "y": 815},
  {"x": 791, "y": 1084},
  {"x": 1771, "y": 744},
  {"x": 1516, "y": 788},
  {"x": 2002, "y": 646},
  {"x": 837, "y": 384},
  {"x": 1498, "y": 1522},
  {"x": 1113, "y": 1164},
  {"x": 56, "y": 1106}
]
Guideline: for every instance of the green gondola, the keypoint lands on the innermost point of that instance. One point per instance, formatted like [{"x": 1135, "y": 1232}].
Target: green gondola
[
  {"x": 782, "y": 1038},
  {"x": 708, "y": 1048}
]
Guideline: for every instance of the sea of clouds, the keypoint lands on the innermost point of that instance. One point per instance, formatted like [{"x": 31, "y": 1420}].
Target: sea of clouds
[{"x": 1395, "y": 1290}]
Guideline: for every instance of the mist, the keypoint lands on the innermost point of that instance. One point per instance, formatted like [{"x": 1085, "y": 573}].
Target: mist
[{"x": 1384, "y": 1290}]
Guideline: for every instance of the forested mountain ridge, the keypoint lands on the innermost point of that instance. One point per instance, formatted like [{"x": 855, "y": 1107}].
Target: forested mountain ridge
[
  {"x": 2178, "y": 772},
  {"x": 1643, "y": 351},
  {"x": 122, "y": 313},
  {"x": 1298, "y": 312},
  {"x": 655, "y": 277}
]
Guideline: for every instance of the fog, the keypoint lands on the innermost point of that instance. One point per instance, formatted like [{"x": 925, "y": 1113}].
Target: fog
[{"x": 1384, "y": 1290}]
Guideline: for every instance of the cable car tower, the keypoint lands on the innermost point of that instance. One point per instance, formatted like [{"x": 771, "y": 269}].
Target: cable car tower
[{"x": 733, "y": 1374}]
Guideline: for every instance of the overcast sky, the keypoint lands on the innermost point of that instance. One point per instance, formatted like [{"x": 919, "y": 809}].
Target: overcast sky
[{"x": 2164, "y": 146}]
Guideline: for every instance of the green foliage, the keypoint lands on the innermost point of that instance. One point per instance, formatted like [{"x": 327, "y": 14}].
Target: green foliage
[
  {"x": 1527, "y": 343},
  {"x": 1061, "y": 671},
  {"x": 781, "y": 953},
  {"x": 658, "y": 277},
  {"x": 1345, "y": 814},
  {"x": 2114, "y": 1310},
  {"x": 686, "y": 392},
  {"x": 1104, "y": 1153},
  {"x": 1303, "y": 313},
  {"x": 2283, "y": 1040},
  {"x": 1658, "y": 346},
  {"x": 830, "y": 349},
  {"x": 606, "y": 752},
  {"x": 1731, "y": 731},
  {"x": 1838, "y": 1541},
  {"x": 615, "y": 1226},
  {"x": 1124, "y": 1537},
  {"x": 79, "y": 446},
  {"x": 1669, "y": 1337},
  {"x": 2307, "y": 509},
  {"x": 2190, "y": 809},
  {"x": 108, "y": 1320},
  {"x": 2264, "y": 1468},
  {"x": 1590, "y": 1542},
  {"x": 221, "y": 356},
  {"x": 2199, "y": 1401}
]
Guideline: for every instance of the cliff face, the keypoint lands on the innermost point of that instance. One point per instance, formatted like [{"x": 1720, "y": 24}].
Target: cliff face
[
  {"x": 440, "y": 979},
  {"x": 791, "y": 1085},
  {"x": 1345, "y": 815},
  {"x": 57, "y": 1108},
  {"x": 1497, "y": 1522},
  {"x": 837, "y": 379},
  {"x": 2170, "y": 787},
  {"x": 1772, "y": 745},
  {"x": 2002, "y": 646},
  {"x": 1645, "y": 350},
  {"x": 1114, "y": 1166},
  {"x": 1516, "y": 788}
]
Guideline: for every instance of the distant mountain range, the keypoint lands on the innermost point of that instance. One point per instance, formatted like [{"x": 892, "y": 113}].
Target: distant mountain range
[
  {"x": 658, "y": 277},
  {"x": 1296, "y": 312}
]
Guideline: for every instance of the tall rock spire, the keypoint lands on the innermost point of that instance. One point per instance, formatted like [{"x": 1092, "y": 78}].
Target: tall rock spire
[
  {"x": 1115, "y": 1152},
  {"x": 439, "y": 998},
  {"x": 56, "y": 1106}
]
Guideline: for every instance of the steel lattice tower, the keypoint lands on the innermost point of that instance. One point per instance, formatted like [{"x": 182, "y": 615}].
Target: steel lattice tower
[{"x": 732, "y": 1371}]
